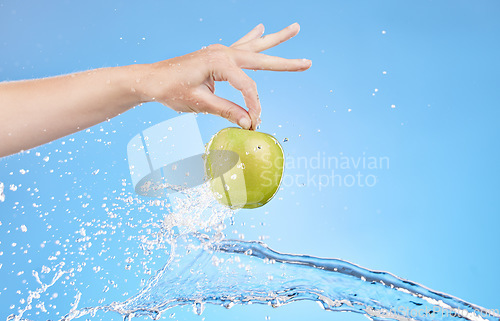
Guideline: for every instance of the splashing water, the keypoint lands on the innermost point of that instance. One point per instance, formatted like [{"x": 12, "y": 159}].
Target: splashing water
[
  {"x": 229, "y": 272},
  {"x": 204, "y": 268},
  {"x": 2, "y": 195}
]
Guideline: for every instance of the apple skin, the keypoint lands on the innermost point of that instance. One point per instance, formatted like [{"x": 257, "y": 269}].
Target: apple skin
[{"x": 244, "y": 167}]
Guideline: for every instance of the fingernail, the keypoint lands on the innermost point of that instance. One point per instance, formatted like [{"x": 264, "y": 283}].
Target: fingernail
[
  {"x": 307, "y": 61},
  {"x": 245, "y": 123}
]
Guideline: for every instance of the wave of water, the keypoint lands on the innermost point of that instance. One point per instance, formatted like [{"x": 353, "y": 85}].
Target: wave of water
[
  {"x": 229, "y": 272},
  {"x": 208, "y": 269}
]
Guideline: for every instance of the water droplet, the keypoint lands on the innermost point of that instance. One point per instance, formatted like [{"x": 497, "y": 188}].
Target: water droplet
[
  {"x": 198, "y": 307},
  {"x": 285, "y": 140}
]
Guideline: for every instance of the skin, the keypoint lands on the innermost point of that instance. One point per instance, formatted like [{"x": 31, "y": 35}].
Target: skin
[{"x": 34, "y": 112}]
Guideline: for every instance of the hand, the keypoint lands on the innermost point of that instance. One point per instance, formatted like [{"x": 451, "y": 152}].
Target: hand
[
  {"x": 34, "y": 112},
  {"x": 186, "y": 83}
]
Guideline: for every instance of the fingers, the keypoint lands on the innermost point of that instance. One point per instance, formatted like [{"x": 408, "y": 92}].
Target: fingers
[
  {"x": 269, "y": 41},
  {"x": 255, "y": 33},
  {"x": 240, "y": 80},
  {"x": 227, "y": 109},
  {"x": 257, "y": 61}
]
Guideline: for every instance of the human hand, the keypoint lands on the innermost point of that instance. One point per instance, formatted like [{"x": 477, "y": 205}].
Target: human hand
[{"x": 187, "y": 83}]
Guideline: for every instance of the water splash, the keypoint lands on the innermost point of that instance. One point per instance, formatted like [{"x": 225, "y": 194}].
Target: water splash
[
  {"x": 205, "y": 268},
  {"x": 2, "y": 195},
  {"x": 35, "y": 295},
  {"x": 230, "y": 272}
]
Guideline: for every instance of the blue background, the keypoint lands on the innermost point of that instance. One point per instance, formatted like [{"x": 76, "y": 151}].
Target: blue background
[{"x": 432, "y": 217}]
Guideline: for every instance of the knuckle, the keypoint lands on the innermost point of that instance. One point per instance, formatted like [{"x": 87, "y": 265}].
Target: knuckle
[
  {"x": 251, "y": 86},
  {"x": 216, "y": 47},
  {"x": 217, "y": 54},
  {"x": 227, "y": 112}
]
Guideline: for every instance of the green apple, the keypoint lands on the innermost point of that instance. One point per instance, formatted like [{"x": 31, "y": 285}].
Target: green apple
[{"x": 244, "y": 167}]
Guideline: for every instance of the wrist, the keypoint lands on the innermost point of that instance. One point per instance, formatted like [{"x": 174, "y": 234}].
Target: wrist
[{"x": 133, "y": 79}]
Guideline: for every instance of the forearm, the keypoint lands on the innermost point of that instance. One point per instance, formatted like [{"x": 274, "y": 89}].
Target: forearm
[{"x": 34, "y": 112}]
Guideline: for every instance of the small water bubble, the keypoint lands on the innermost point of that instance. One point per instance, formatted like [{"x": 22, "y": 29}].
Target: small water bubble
[
  {"x": 285, "y": 140},
  {"x": 393, "y": 106},
  {"x": 24, "y": 228},
  {"x": 233, "y": 176},
  {"x": 198, "y": 307},
  {"x": 46, "y": 159}
]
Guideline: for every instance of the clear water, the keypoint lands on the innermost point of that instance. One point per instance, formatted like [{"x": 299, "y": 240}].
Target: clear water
[{"x": 204, "y": 267}]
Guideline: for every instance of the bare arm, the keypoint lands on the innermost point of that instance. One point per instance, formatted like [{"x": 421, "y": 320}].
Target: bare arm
[{"x": 34, "y": 112}]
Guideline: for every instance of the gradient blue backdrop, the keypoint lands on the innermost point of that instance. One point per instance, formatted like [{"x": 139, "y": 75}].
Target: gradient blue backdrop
[{"x": 433, "y": 215}]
